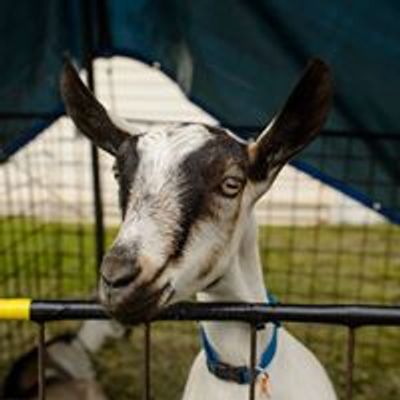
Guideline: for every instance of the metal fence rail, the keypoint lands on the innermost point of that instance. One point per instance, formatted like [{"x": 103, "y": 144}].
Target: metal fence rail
[
  {"x": 343, "y": 314},
  {"x": 351, "y": 316}
]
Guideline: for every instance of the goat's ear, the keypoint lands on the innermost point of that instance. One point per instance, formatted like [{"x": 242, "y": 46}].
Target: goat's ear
[
  {"x": 88, "y": 114},
  {"x": 295, "y": 126}
]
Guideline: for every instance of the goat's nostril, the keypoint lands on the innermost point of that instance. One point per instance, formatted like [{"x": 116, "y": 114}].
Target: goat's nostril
[
  {"x": 123, "y": 280},
  {"x": 120, "y": 280}
]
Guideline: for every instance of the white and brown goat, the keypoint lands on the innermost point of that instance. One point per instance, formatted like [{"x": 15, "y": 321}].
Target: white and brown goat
[{"x": 187, "y": 194}]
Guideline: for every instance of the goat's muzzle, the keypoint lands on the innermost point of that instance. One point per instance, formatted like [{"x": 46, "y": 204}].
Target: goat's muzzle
[{"x": 125, "y": 294}]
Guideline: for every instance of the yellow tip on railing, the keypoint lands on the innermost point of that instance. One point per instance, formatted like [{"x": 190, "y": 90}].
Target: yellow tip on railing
[{"x": 15, "y": 309}]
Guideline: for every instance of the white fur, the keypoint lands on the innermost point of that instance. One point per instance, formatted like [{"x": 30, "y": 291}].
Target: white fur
[
  {"x": 160, "y": 154},
  {"x": 295, "y": 374},
  {"x": 125, "y": 125},
  {"x": 93, "y": 333}
]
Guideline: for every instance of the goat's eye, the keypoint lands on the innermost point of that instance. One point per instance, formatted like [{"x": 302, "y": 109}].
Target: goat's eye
[{"x": 231, "y": 186}]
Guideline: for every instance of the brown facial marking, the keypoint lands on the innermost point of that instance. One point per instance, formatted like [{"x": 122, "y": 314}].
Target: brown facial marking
[
  {"x": 126, "y": 164},
  {"x": 203, "y": 171},
  {"x": 146, "y": 264}
]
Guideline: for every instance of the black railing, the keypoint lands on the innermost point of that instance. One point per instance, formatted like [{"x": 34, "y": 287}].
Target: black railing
[
  {"x": 348, "y": 315},
  {"x": 351, "y": 316}
]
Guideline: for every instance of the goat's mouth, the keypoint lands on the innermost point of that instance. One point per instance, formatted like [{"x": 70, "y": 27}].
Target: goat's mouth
[{"x": 133, "y": 306}]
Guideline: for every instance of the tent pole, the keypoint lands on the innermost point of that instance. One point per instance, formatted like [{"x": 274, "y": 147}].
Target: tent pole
[{"x": 88, "y": 45}]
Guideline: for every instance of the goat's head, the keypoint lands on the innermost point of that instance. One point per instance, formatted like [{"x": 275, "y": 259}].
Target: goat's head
[{"x": 185, "y": 192}]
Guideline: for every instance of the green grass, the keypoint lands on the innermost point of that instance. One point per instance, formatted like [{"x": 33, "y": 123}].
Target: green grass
[{"x": 327, "y": 264}]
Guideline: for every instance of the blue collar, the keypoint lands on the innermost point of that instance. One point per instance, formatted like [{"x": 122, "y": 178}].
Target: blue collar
[{"x": 239, "y": 374}]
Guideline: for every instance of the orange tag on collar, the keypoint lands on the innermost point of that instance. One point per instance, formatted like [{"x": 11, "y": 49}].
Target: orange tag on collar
[{"x": 265, "y": 384}]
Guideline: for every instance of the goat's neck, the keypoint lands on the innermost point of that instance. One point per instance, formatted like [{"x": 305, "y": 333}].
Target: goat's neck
[{"x": 243, "y": 282}]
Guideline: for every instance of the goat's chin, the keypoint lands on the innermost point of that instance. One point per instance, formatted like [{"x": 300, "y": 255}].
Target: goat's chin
[
  {"x": 136, "y": 307},
  {"x": 128, "y": 316}
]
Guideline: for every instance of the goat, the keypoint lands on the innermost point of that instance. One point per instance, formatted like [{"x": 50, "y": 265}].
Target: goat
[
  {"x": 69, "y": 372},
  {"x": 187, "y": 195}
]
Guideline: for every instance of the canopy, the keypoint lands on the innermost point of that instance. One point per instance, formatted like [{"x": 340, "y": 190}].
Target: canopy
[{"x": 238, "y": 60}]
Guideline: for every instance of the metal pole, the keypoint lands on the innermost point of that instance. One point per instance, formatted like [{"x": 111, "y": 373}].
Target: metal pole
[
  {"x": 350, "y": 362},
  {"x": 88, "y": 42},
  {"x": 147, "y": 360},
  {"x": 253, "y": 361},
  {"x": 347, "y": 315},
  {"x": 41, "y": 362}
]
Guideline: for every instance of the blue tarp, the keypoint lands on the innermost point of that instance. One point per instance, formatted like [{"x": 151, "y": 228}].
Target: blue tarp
[{"x": 236, "y": 59}]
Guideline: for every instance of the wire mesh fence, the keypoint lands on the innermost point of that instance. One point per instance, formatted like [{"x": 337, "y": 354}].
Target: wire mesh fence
[{"x": 317, "y": 246}]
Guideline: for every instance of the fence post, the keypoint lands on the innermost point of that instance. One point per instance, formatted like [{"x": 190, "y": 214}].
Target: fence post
[
  {"x": 41, "y": 362},
  {"x": 253, "y": 361},
  {"x": 88, "y": 44},
  {"x": 147, "y": 362},
  {"x": 350, "y": 362}
]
